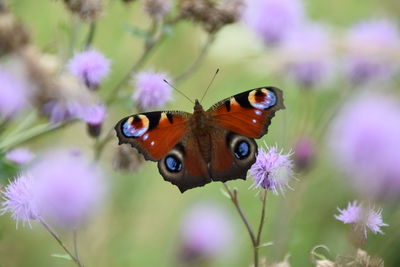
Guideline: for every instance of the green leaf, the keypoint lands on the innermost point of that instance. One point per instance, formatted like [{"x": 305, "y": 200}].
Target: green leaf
[
  {"x": 62, "y": 256},
  {"x": 266, "y": 244}
]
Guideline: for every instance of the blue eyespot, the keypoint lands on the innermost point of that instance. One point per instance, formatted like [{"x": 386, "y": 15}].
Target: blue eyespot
[
  {"x": 131, "y": 131},
  {"x": 173, "y": 164},
  {"x": 242, "y": 150},
  {"x": 268, "y": 101}
]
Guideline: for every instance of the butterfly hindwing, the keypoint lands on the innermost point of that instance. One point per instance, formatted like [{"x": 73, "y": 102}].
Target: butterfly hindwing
[
  {"x": 248, "y": 113},
  {"x": 153, "y": 133}
]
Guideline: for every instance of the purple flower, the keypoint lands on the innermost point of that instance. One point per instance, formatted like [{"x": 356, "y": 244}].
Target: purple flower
[
  {"x": 68, "y": 188},
  {"x": 366, "y": 60},
  {"x": 14, "y": 95},
  {"x": 90, "y": 67},
  {"x": 19, "y": 200},
  {"x": 94, "y": 116},
  {"x": 206, "y": 232},
  {"x": 272, "y": 170},
  {"x": 157, "y": 9},
  {"x": 151, "y": 91},
  {"x": 273, "y": 20},
  {"x": 303, "y": 153},
  {"x": 308, "y": 55},
  {"x": 364, "y": 140},
  {"x": 362, "y": 217},
  {"x": 62, "y": 110},
  {"x": 20, "y": 155}
]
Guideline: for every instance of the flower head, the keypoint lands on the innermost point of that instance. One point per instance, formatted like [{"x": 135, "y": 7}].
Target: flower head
[
  {"x": 90, "y": 67},
  {"x": 20, "y": 155},
  {"x": 364, "y": 140},
  {"x": 366, "y": 60},
  {"x": 273, "y": 20},
  {"x": 14, "y": 95},
  {"x": 304, "y": 152},
  {"x": 60, "y": 110},
  {"x": 151, "y": 90},
  {"x": 272, "y": 170},
  {"x": 157, "y": 8},
  {"x": 19, "y": 200},
  {"x": 362, "y": 217},
  {"x": 206, "y": 232},
  {"x": 68, "y": 188},
  {"x": 94, "y": 116},
  {"x": 308, "y": 55}
]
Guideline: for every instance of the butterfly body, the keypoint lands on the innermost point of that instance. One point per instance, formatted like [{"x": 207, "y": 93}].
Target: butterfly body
[{"x": 213, "y": 145}]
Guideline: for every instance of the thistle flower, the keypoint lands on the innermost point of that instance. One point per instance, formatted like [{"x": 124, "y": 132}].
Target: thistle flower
[
  {"x": 14, "y": 95},
  {"x": 363, "y": 217},
  {"x": 272, "y": 170},
  {"x": 68, "y": 188},
  {"x": 87, "y": 10},
  {"x": 59, "y": 111},
  {"x": 90, "y": 67},
  {"x": 366, "y": 61},
  {"x": 364, "y": 141},
  {"x": 19, "y": 200},
  {"x": 206, "y": 232},
  {"x": 304, "y": 152},
  {"x": 151, "y": 91},
  {"x": 20, "y": 155},
  {"x": 273, "y": 20},
  {"x": 308, "y": 55},
  {"x": 94, "y": 116},
  {"x": 157, "y": 9}
]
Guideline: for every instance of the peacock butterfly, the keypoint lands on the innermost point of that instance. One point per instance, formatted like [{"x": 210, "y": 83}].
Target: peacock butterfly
[{"x": 214, "y": 145}]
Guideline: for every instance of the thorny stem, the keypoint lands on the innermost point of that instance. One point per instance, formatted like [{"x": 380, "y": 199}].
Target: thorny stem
[
  {"x": 200, "y": 58},
  {"x": 61, "y": 243}
]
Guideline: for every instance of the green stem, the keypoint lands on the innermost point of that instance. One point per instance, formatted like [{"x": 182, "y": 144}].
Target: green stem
[
  {"x": 262, "y": 218},
  {"x": 234, "y": 198},
  {"x": 60, "y": 242},
  {"x": 90, "y": 37}
]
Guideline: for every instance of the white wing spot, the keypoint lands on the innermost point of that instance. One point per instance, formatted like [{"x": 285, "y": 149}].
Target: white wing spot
[
  {"x": 254, "y": 121},
  {"x": 258, "y": 112},
  {"x": 145, "y": 137},
  {"x": 152, "y": 143}
]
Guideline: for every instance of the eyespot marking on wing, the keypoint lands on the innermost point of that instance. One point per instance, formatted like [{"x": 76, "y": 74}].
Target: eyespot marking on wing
[
  {"x": 262, "y": 98},
  {"x": 135, "y": 126}
]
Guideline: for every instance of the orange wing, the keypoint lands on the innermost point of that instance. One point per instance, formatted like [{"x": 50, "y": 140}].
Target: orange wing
[
  {"x": 153, "y": 133},
  {"x": 248, "y": 113}
]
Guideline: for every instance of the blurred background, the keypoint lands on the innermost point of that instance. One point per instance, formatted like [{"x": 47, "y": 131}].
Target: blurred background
[{"x": 337, "y": 63}]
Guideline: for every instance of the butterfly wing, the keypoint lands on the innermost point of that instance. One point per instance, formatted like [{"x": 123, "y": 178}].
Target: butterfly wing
[
  {"x": 238, "y": 120},
  {"x": 248, "y": 113},
  {"x": 153, "y": 133}
]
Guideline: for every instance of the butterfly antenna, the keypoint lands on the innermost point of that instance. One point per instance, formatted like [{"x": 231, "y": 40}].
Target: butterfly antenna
[
  {"x": 212, "y": 80},
  {"x": 178, "y": 90}
]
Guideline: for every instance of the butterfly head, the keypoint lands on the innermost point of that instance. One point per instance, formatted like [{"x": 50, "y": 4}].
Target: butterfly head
[{"x": 197, "y": 106}]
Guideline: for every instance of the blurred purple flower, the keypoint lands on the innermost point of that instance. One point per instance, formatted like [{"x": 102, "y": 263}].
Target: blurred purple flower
[
  {"x": 90, "y": 67},
  {"x": 206, "y": 232},
  {"x": 14, "y": 95},
  {"x": 272, "y": 170},
  {"x": 151, "y": 91},
  {"x": 59, "y": 110},
  {"x": 273, "y": 20},
  {"x": 304, "y": 152},
  {"x": 20, "y": 155},
  {"x": 366, "y": 60},
  {"x": 94, "y": 116},
  {"x": 364, "y": 140},
  {"x": 308, "y": 54},
  {"x": 68, "y": 188},
  {"x": 362, "y": 217},
  {"x": 157, "y": 9},
  {"x": 19, "y": 200}
]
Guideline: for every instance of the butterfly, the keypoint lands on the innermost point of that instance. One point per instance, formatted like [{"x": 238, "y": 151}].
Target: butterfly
[{"x": 214, "y": 145}]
